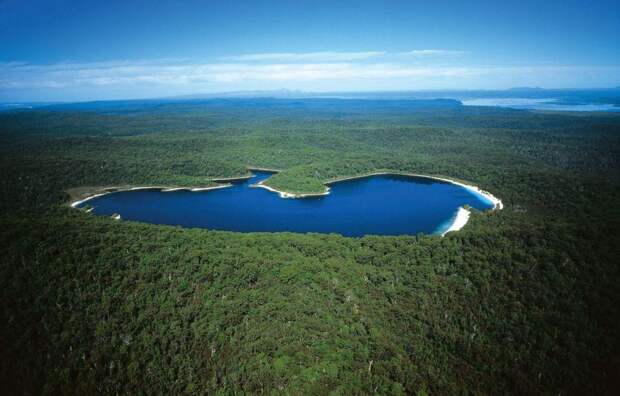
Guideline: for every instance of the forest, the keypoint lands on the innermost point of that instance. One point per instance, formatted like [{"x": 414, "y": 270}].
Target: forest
[{"x": 521, "y": 301}]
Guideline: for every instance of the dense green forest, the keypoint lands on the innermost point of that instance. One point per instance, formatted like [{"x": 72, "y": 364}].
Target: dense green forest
[{"x": 521, "y": 301}]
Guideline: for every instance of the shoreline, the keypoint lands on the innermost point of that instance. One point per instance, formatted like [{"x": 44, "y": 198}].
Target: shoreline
[
  {"x": 112, "y": 190},
  {"x": 229, "y": 179},
  {"x": 270, "y": 170},
  {"x": 76, "y": 200}
]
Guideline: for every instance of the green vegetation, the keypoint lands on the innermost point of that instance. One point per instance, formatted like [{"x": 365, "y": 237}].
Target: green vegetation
[{"x": 521, "y": 301}]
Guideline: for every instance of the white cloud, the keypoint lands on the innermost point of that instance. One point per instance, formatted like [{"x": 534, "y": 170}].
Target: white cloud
[
  {"x": 323, "y": 71},
  {"x": 331, "y": 56},
  {"x": 326, "y": 56},
  {"x": 276, "y": 67},
  {"x": 171, "y": 76},
  {"x": 115, "y": 73}
]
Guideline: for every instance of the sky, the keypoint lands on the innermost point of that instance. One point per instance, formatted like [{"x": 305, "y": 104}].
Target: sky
[{"x": 61, "y": 50}]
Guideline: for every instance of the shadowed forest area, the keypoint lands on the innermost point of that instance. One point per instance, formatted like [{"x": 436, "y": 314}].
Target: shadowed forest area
[{"x": 521, "y": 301}]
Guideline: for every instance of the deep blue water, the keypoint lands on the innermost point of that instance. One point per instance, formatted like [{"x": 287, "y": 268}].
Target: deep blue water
[{"x": 383, "y": 205}]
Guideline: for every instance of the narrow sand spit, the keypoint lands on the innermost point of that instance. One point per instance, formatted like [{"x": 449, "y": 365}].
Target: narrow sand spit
[
  {"x": 209, "y": 188},
  {"x": 284, "y": 194}
]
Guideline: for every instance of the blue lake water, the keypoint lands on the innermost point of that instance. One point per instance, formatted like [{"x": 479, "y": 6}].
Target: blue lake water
[{"x": 382, "y": 205}]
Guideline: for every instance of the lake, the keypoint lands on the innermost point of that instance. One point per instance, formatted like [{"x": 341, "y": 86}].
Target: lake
[
  {"x": 548, "y": 104},
  {"x": 382, "y": 205}
]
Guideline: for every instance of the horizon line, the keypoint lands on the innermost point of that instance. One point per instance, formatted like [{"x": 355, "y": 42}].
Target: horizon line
[{"x": 226, "y": 94}]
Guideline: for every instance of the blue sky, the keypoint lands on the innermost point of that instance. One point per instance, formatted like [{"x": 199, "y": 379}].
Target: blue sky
[{"x": 85, "y": 50}]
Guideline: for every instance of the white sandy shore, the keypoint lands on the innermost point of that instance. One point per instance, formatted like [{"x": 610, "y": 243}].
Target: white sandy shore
[
  {"x": 162, "y": 189},
  {"x": 217, "y": 179},
  {"x": 460, "y": 219},
  {"x": 209, "y": 188},
  {"x": 76, "y": 203}
]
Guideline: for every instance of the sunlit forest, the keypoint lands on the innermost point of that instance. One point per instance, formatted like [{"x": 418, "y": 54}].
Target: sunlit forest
[{"x": 524, "y": 300}]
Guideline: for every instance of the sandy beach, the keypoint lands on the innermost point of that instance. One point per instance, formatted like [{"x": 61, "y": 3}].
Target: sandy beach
[
  {"x": 196, "y": 189},
  {"x": 76, "y": 203},
  {"x": 460, "y": 219}
]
